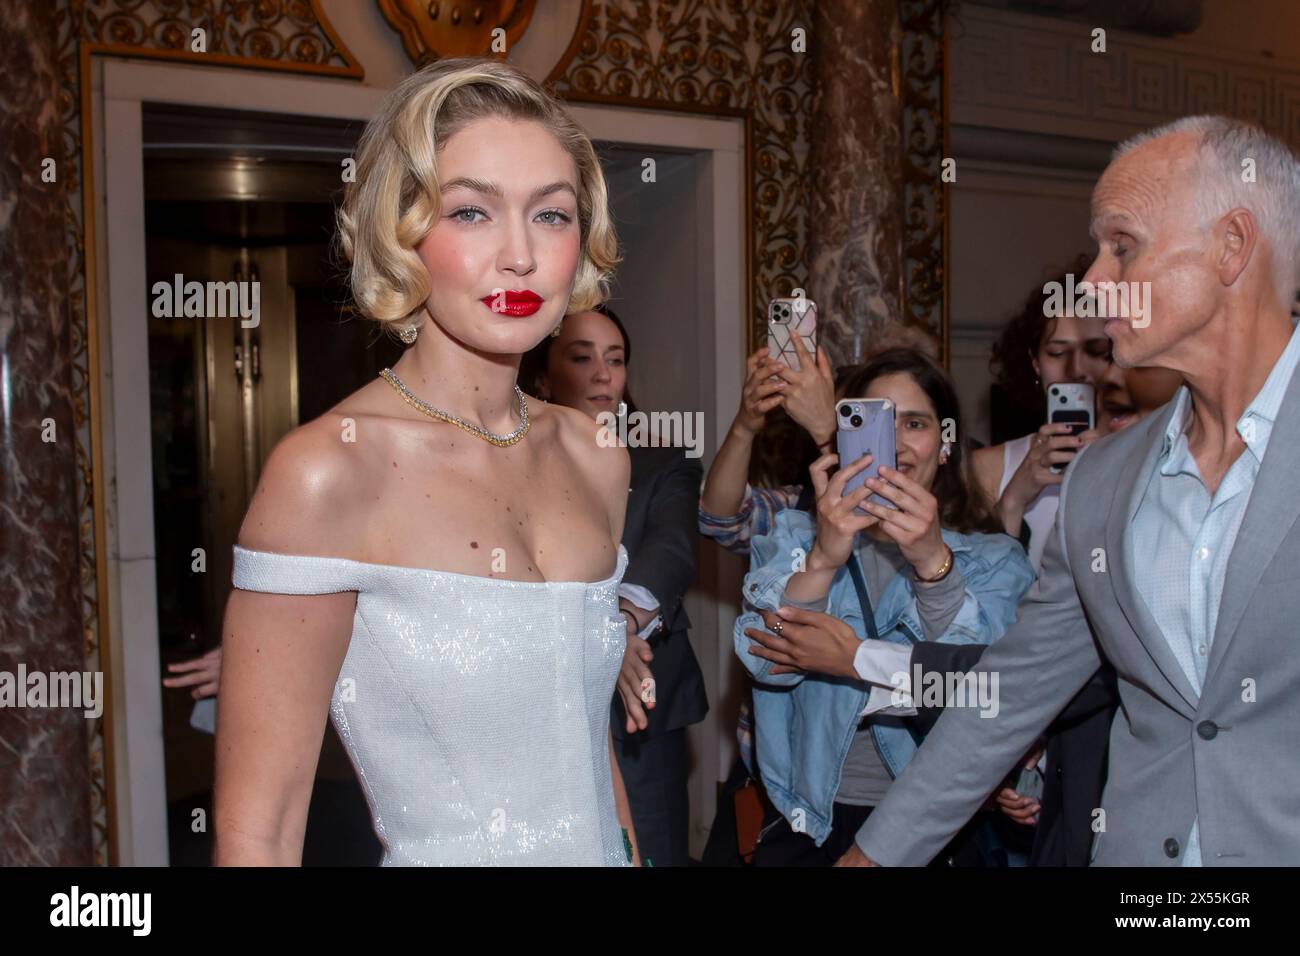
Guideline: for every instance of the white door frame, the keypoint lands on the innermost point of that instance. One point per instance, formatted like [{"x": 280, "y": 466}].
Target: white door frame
[{"x": 121, "y": 88}]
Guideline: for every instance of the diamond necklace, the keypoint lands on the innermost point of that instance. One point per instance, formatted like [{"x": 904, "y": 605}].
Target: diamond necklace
[{"x": 501, "y": 441}]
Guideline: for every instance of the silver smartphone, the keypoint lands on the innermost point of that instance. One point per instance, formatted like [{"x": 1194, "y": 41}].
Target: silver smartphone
[{"x": 1074, "y": 404}]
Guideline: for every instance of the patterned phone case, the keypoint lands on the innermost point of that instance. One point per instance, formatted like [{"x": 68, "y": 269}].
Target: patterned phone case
[
  {"x": 785, "y": 319},
  {"x": 874, "y": 436}
]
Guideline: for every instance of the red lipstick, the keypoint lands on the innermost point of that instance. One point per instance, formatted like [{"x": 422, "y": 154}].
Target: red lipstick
[{"x": 511, "y": 302}]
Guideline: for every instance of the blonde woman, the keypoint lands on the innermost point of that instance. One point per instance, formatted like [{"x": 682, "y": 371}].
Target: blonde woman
[{"x": 435, "y": 561}]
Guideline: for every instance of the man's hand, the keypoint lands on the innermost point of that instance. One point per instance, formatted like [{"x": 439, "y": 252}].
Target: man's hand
[
  {"x": 1024, "y": 810},
  {"x": 855, "y": 857},
  {"x": 636, "y": 685},
  {"x": 203, "y": 673},
  {"x": 808, "y": 641}
]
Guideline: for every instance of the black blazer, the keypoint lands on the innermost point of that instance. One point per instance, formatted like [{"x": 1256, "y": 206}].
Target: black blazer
[
  {"x": 1078, "y": 743},
  {"x": 660, "y": 537}
]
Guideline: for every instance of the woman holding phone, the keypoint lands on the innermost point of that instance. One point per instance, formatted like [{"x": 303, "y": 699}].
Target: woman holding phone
[
  {"x": 434, "y": 562},
  {"x": 1034, "y": 352},
  {"x": 830, "y": 738}
]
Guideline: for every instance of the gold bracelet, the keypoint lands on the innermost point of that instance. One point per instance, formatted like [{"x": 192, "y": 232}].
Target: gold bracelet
[{"x": 943, "y": 571}]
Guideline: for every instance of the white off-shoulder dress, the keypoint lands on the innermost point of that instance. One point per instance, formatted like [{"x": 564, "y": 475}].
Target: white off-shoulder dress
[{"x": 475, "y": 710}]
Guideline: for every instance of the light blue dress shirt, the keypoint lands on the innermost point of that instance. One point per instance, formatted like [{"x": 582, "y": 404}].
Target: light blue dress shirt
[{"x": 1181, "y": 537}]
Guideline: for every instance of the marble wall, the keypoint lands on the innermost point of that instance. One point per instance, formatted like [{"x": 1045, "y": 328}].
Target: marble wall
[
  {"x": 44, "y": 770},
  {"x": 855, "y": 233}
]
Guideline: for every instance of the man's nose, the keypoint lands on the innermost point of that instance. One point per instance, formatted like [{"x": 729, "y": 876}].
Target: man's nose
[{"x": 1099, "y": 271}]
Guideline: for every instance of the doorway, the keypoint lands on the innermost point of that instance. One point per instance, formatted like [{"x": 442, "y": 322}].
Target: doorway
[{"x": 244, "y": 198}]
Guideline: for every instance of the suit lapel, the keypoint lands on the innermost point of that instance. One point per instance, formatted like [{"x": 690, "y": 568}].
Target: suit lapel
[
  {"x": 1129, "y": 491},
  {"x": 1270, "y": 513}
]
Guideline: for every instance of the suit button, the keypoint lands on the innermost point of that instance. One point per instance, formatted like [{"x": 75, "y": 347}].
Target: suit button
[
  {"x": 1171, "y": 848},
  {"x": 1208, "y": 729},
  {"x": 1058, "y": 772}
]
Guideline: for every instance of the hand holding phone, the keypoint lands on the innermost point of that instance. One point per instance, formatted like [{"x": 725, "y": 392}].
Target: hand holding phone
[{"x": 1073, "y": 404}]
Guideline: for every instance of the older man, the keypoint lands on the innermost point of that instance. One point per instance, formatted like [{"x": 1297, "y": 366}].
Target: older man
[{"x": 1176, "y": 553}]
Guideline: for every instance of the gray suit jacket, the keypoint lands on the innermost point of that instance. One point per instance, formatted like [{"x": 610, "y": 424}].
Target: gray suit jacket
[{"x": 1228, "y": 756}]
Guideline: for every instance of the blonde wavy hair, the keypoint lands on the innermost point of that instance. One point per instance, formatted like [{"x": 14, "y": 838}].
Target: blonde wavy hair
[{"x": 394, "y": 201}]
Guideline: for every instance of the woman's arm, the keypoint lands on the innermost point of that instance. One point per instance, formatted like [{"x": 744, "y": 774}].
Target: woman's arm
[
  {"x": 620, "y": 802},
  {"x": 724, "y": 487},
  {"x": 281, "y": 655},
  {"x": 281, "y": 660}
]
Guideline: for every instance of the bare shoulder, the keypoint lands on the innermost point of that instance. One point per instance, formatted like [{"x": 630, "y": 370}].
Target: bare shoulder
[
  {"x": 308, "y": 499},
  {"x": 589, "y": 445}
]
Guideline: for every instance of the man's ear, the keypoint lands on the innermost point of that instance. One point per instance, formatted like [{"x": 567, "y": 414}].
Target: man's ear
[{"x": 1238, "y": 237}]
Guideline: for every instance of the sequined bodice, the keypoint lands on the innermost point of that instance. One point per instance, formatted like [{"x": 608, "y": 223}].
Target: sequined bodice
[{"x": 475, "y": 710}]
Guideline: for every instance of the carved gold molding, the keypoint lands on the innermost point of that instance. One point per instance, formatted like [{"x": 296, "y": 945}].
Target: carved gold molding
[
  {"x": 291, "y": 35},
  {"x": 924, "y": 96},
  {"x": 434, "y": 29},
  {"x": 721, "y": 58}
]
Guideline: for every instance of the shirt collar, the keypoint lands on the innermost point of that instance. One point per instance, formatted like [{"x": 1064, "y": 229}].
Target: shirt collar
[
  {"x": 1175, "y": 433},
  {"x": 1255, "y": 423}
]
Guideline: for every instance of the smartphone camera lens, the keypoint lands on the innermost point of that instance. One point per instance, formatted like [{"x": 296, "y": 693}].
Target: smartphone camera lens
[
  {"x": 845, "y": 411},
  {"x": 856, "y": 421},
  {"x": 1062, "y": 399}
]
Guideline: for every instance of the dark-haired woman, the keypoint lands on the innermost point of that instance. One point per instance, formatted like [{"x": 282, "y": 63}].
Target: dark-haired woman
[
  {"x": 831, "y": 731},
  {"x": 1034, "y": 352}
]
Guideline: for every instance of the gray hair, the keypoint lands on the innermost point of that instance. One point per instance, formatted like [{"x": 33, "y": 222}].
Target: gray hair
[{"x": 1273, "y": 198}]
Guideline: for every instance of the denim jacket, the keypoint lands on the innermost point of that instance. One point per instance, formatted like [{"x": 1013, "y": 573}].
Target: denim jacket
[{"x": 804, "y": 723}]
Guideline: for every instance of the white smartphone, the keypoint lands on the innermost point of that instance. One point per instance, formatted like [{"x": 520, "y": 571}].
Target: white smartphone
[
  {"x": 1073, "y": 404},
  {"x": 787, "y": 318}
]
